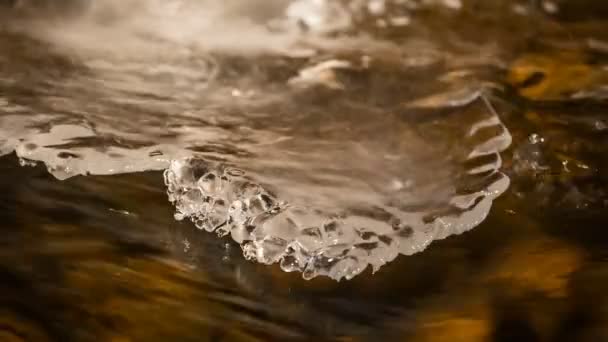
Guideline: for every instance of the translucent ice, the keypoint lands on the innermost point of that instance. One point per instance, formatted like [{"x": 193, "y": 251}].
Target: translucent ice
[
  {"x": 324, "y": 153},
  {"x": 320, "y": 214}
]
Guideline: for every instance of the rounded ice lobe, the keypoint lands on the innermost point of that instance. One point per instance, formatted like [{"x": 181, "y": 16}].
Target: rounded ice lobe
[{"x": 221, "y": 200}]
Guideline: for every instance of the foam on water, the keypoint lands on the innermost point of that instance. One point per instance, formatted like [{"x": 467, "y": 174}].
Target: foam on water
[{"x": 326, "y": 154}]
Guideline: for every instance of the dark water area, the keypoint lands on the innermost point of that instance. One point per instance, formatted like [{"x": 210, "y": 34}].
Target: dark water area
[{"x": 501, "y": 106}]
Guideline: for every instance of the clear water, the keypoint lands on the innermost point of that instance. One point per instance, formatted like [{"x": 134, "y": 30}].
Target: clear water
[{"x": 327, "y": 138}]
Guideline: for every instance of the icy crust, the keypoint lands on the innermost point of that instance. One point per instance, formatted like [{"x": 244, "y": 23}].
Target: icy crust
[
  {"x": 124, "y": 110},
  {"x": 32, "y": 143},
  {"x": 270, "y": 231},
  {"x": 310, "y": 240},
  {"x": 301, "y": 236}
]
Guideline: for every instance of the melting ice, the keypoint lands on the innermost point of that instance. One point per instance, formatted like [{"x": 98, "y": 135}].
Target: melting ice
[{"x": 326, "y": 153}]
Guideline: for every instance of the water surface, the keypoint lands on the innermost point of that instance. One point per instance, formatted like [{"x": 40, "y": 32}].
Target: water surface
[{"x": 327, "y": 149}]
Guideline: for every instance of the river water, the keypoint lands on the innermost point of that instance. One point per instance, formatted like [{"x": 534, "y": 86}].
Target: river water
[{"x": 288, "y": 170}]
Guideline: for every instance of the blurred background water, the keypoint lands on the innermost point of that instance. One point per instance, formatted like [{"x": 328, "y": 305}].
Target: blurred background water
[{"x": 342, "y": 108}]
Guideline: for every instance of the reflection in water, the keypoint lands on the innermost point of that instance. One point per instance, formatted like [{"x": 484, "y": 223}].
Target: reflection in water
[{"x": 333, "y": 137}]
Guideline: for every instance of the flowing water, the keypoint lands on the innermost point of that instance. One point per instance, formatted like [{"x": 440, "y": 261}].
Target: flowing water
[{"x": 289, "y": 170}]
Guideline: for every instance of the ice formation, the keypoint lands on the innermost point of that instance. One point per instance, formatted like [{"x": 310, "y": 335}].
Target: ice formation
[
  {"x": 326, "y": 162},
  {"x": 338, "y": 241}
]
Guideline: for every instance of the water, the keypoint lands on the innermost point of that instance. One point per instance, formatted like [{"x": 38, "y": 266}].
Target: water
[{"x": 326, "y": 141}]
